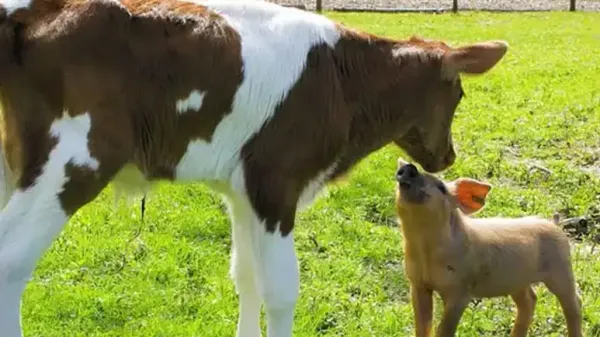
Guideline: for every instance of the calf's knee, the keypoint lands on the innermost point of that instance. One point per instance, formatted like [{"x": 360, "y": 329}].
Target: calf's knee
[
  {"x": 280, "y": 277},
  {"x": 281, "y": 298}
]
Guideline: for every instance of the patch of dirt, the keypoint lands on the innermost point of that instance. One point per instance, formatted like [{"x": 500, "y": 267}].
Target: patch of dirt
[
  {"x": 592, "y": 165},
  {"x": 583, "y": 228}
]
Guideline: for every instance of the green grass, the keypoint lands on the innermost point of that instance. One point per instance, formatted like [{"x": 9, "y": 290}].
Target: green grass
[{"x": 541, "y": 106}]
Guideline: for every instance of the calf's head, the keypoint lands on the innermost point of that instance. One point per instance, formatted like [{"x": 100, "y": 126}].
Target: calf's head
[
  {"x": 433, "y": 91},
  {"x": 424, "y": 197}
]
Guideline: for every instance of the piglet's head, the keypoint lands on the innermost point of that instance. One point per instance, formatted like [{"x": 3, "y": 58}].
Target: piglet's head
[{"x": 423, "y": 195}]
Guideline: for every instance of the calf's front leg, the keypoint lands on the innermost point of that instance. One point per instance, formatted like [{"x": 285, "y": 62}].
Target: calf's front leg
[
  {"x": 268, "y": 247},
  {"x": 280, "y": 282}
]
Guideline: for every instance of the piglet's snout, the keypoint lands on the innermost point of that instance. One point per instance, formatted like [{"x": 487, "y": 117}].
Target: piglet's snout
[{"x": 407, "y": 173}]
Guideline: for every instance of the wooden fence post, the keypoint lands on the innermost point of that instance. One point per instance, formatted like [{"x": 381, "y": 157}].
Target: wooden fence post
[
  {"x": 572, "y": 6},
  {"x": 319, "y": 6},
  {"x": 455, "y": 5}
]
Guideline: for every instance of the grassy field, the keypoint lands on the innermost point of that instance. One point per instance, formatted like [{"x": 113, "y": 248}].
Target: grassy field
[{"x": 110, "y": 275}]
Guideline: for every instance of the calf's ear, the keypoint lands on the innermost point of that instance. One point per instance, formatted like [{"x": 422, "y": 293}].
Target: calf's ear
[
  {"x": 476, "y": 58},
  {"x": 470, "y": 194}
]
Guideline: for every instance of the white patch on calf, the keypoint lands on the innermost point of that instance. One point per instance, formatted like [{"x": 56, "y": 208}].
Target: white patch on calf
[
  {"x": 192, "y": 102},
  {"x": 74, "y": 132},
  {"x": 315, "y": 187},
  {"x": 12, "y": 6},
  {"x": 33, "y": 217},
  {"x": 275, "y": 43}
]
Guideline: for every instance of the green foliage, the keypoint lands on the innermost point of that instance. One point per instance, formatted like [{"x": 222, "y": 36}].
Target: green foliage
[{"x": 110, "y": 275}]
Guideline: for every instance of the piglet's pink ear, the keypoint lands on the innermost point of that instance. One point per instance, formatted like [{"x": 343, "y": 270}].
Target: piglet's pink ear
[
  {"x": 470, "y": 194},
  {"x": 477, "y": 58}
]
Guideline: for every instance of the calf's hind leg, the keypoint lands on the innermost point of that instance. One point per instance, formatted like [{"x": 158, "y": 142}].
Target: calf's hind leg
[
  {"x": 35, "y": 214},
  {"x": 6, "y": 180},
  {"x": 525, "y": 301}
]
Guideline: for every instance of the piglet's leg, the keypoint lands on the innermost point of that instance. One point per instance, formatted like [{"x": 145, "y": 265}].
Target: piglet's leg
[
  {"x": 422, "y": 302},
  {"x": 35, "y": 214},
  {"x": 525, "y": 301},
  {"x": 454, "y": 306},
  {"x": 562, "y": 284}
]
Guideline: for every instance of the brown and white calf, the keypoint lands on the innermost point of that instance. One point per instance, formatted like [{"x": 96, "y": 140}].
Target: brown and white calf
[{"x": 263, "y": 103}]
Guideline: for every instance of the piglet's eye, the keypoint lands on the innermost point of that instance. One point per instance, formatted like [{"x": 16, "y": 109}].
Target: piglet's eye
[{"x": 442, "y": 188}]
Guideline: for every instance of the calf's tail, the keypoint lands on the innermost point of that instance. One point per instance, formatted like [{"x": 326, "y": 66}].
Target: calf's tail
[{"x": 6, "y": 181}]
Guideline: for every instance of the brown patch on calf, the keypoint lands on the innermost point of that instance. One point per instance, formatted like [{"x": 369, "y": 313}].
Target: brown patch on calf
[
  {"x": 26, "y": 142},
  {"x": 174, "y": 9},
  {"x": 307, "y": 132},
  {"x": 126, "y": 64},
  {"x": 36, "y": 11}
]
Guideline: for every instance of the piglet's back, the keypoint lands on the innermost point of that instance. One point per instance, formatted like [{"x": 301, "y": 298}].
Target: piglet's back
[
  {"x": 518, "y": 250},
  {"x": 526, "y": 230}
]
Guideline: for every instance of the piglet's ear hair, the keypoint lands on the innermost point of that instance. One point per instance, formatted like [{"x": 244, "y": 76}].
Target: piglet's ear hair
[
  {"x": 470, "y": 194},
  {"x": 476, "y": 58}
]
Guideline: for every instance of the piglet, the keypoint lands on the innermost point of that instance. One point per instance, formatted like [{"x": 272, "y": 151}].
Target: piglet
[{"x": 462, "y": 258}]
